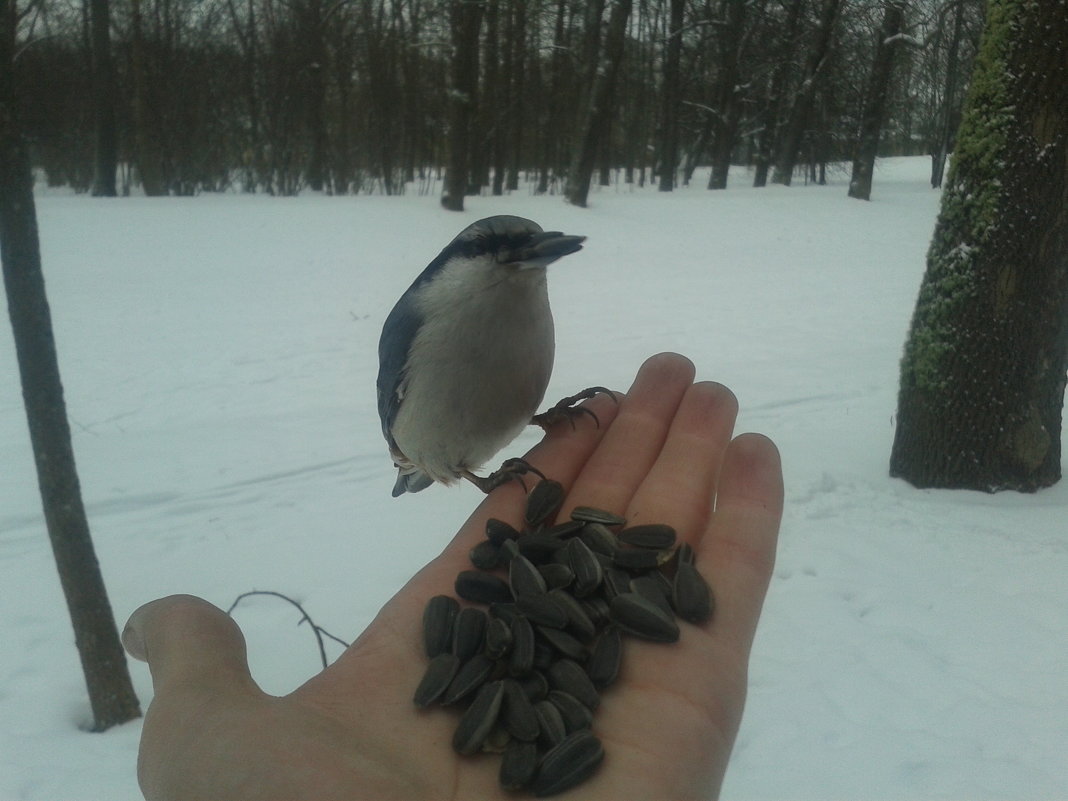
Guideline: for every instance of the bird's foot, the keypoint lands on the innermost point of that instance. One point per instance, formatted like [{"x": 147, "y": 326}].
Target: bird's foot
[
  {"x": 567, "y": 410},
  {"x": 511, "y": 469}
]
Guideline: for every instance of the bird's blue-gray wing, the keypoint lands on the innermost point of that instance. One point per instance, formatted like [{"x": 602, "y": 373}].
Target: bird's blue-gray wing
[{"x": 397, "y": 335}]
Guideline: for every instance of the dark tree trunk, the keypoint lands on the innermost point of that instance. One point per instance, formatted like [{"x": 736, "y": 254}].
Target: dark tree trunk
[
  {"x": 518, "y": 47},
  {"x": 594, "y": 123},
  {"x": 790, "y": 142},
  {"x": 670, "y": 95},
  {"x": 146, "y": 147},
  {"x": 106, "y": 156},
  {"x": 111, "y": 694},
  {"x": 983, "y": 374},
  {"x": 465, "y": 18},
  {"x": 772, "y": 111},
  {"x": 948, "y": 116},
  {"x": 725, "y": 126},
  {"x": 874, "y": 115}
]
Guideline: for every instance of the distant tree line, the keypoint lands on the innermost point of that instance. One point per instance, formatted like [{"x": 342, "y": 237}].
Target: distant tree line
[{"x": 345, "y": 96}]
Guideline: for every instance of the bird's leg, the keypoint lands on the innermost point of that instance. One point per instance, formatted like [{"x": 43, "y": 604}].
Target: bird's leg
[
  {"x": 567, "y": 410},
  {"x": 511, "y": 469}
]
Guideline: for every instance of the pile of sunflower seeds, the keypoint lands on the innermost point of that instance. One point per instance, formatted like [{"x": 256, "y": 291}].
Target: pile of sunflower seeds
[{"x": 531, "y": 670}]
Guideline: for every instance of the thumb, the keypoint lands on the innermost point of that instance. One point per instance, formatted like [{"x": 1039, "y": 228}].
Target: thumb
[{"x": 187, "y": 641}]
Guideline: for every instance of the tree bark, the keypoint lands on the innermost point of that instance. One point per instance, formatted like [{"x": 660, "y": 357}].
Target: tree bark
[
  {"x": 670, "y": 95},
  {"x": 874, "y": 115},
  {"x": 790, "y": 141},
  {"x": 111, "y": 693},
  {"x": 106, "y": 156},
  {"x": 465, "y": 18},
  {"x": 593, "y": 126},
  {"x": 725, "y": 125},
  {"x": 946, "y": 127},
  {"x": 983, "y": 373},
  {"x": 772, "y": 111}
]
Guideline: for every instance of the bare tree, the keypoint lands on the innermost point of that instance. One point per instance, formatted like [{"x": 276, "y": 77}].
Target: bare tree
[
  {"x": 983, "y": 373},
  {"x": 107, "y": 143},
  {"x": 110, "y": 691},
  {"x": 874, "y": 115},
  {"x": 670, "y": 95},
  {"x": 465, "y": 19}
]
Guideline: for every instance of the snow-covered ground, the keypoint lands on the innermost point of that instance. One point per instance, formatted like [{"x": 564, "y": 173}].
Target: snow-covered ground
[{"x": 219, "y": 356}]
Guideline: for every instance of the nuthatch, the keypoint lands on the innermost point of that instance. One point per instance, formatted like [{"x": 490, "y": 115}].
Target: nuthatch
[{"x": 466, "y": 354}]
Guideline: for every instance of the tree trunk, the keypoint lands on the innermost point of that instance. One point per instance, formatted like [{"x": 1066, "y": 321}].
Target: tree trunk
[
  {"x": 670, "y": 94},
  {"x": 465, "y": 18},
  {"x": 593, "y": 126},
  {"x": 772, "y": 112},
  {"x": 146, "y": 143},
  {"x": 983, "y": 373},
  {"x": 111, "y": 693},
  {"x": 725, "y": 126},
  {"x": 946, "y": 128},
  {"x": 106, "y": 156},
  {"x": 790, "y": 142},
  {"x": 874, "y": 115}
]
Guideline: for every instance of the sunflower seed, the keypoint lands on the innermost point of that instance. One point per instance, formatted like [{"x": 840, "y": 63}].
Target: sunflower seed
[
  {"x": 538, "y": 546},
  {"x": 684, "y": 553},
  {"x": 485, "y": 556},
  {"x": 483, "y": 588},
  {"x": 577, "y": 619},
  {"x": 468, "y": 632},
  {"x": 521, "y": 659},
  {"x": 438, "y": 616},
  {"x": 519, "y": 765},
  {"x": 563, "y": 642},
  {"x": 471, "y": 675},
  {"x": 525, "y": 578},
  {"x": 509, "y": 550},
  {"x": 650, "y": 587},
  {"x": 543, "y": 501},
  {"x": 550, "y": 723},
  {"x": 518, "y": 712},
  {"x": 599, "y": 539},
  {"x": 576, "y": 715},
  {"x": 498, "y": 638},
  {"x": 498, "y": 739},
  {"x": 691, "y": 595},
  {"x": 638, "y": 558},
  {"x": 616, "y": 582},
  {"x": 478, "y": 720},
  {"x": 566, "y": 529},
  {"x": 605, "y": 658},
  {"x": 650, "y": 535},
  {"x": 439, "y": 674},
  {"x": 568, "y": 763},
  {"x": 583, "y": 563},
  {"x": 641, "y": 617},
  {"x": 536, "y": 686},
  {"x": 596, "y": 608},
  {"x": 497, "y": 531},
  {"x": 569, "y": 676},
  {"x": 556, "y": 575},
  {"x": 543, "y": 610},
  {"x": 589, "y": 514}
]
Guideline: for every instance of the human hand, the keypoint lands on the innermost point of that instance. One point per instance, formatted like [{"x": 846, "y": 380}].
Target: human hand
[{"x": 664, "y": 454}]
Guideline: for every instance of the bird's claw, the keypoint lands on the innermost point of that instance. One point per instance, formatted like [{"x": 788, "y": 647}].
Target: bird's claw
[
  {"x": 567, "y": 410},
  {"x": 511, "y": 469}
]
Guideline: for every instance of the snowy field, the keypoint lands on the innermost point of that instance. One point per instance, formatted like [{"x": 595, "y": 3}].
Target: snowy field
[{"x": 219, "y": 357}]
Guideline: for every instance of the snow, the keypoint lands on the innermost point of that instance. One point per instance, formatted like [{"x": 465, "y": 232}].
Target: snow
[{"x": 219, "y": 356}]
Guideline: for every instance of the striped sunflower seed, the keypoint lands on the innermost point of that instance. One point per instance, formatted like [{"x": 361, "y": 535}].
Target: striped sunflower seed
[
  {"x": 469, "y": 678},
  {"x": 652, "y": 588},
  {"x": 438, "y": 616},
  {"x": 482, "y": 588},
  {"x": 485, "y": 556},
  {"x": 599, "y": 539},
  {"x": 575, "y": 714},
  {"x": 589, "y": 514},
  {"x": 557, "y": 576},
  {"x": 639, "y": 616},
  {"x": 468, "y": 632},
  {"x": 550, "y": 723},
  {"x": 521, "y": 658},
  {"x": 439, "y": 675},
  {"x": 518, "y": 713},
  {"x": 568, "y": 675},
  {"x": 542, "y": 610},
  {"x": 519, "y": 765},
  {"x": 605, "y": 658},
  {"x": 563, "y": 642},
  {"x": 658, "y": 536},
  {"x": 525, "y": 578},
  {"x": 691, "y": 595},
  {"x": 498, "y": 637},
  {"x": 497, "y": 531},
  {"x": 577, "y": 620},
  {"x": 478, "y": 720},
  {"x": 570, "y": 762},
  {"x": 543, "y": 502},
  {"x": 586, "y": 567}
]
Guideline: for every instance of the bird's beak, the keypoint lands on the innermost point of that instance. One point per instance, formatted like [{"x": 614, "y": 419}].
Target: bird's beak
[{"x": 542, "y": 250}]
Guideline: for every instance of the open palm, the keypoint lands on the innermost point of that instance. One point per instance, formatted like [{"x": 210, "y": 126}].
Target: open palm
[{"x": 664, "y": 454}]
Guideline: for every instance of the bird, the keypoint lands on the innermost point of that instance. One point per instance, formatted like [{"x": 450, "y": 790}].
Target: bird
[{"x": 466, "y": 354}]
